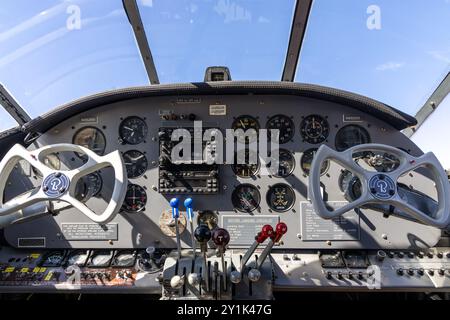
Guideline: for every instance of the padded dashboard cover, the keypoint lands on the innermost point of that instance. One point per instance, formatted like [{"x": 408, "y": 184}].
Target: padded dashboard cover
[{"x": 392, "y": 116}]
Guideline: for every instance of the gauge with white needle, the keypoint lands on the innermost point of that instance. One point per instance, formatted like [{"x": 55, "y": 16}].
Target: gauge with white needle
[
  {"x": 133, "y": 130},
  {"x": 135, "y": 163}
]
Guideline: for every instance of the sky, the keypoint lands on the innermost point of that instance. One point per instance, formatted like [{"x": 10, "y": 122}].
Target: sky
[{"x": 54, "y": 51}]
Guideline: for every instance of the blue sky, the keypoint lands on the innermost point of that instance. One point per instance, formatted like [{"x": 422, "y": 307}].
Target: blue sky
[{"x": 44, "y": 63}]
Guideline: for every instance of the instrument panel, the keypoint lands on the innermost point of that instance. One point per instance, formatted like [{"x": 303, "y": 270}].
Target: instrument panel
[{"x": 241, "y": 196}]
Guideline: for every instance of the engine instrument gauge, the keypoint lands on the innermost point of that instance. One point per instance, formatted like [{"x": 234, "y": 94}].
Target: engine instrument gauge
[
  {"x": 280, "y": 197},
  {"x": 91, "y": 138},
  {"x": 307, "y": 159},
  {"x": 124, "y": 259},
  {"x": 314, "y": 129},
  {"x": 284, "y": 124},
  {"x": 101, "y": 259},
  {"x": 88, "y": 186},
  {"x": 135, "y": 163},
  {"x": 350, "y": 136},
  {"x": 246, "y": 123},
  {"x": 249, "y": 168},
  {"x": 77, "y": 258},
  {"x": 135, "y": 199},
  {"x": 285, "y": 164},
  {"x": 246, "y": 198},
  {"x": 133, "y": 130}
]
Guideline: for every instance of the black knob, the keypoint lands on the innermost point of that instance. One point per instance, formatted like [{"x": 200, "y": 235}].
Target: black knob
[
  {"x": 421, "y": 254},
  {"x": 400, "y": 271},
  {"x": 441, "y": 271},
  {"x": 440, "y": 255},
  {"x": 431, "y": 272},
  {"x": 391, "y": 254},
  {"x": 430, "y": 254},
  {"x": 202, "y": 233},
  {"x": 410, "y": 254},
  {"x": 360, "y": 275},
  {"x": 340, "y": 275},
  {"x": 350, "y": 275},
  {"x": 329, "y": 275},
  {"x": 411, "y": 271},
  {"x": 421, "y": 271},
  {"x": 400, "y": 254}
]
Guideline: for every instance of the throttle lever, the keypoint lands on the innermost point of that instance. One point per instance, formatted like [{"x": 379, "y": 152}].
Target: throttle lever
[
  {"x": 280, "y": 230},
  {"x": 266, "y": 232}
]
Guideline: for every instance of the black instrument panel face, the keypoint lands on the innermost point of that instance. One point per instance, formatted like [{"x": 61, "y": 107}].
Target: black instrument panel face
[{"x": 141, "y": 129}]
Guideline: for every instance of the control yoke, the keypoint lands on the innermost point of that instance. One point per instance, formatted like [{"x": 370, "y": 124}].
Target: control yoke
[
  {"x": 58, "y": 187},
  {"x": 381, "y": 187}
]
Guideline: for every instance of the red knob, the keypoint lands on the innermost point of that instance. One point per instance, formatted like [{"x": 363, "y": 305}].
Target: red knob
[
  {"x": 266, "y": 232},
  {"x": 280, "y": 230},
  {"x": 221, "y": 237}
]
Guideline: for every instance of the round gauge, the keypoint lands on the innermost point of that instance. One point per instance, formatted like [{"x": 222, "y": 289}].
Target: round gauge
[
  {"x": 91, "y": 138},
  {"x": 350, "y": 185},
  {"x": 284, "y": 124},
  {"x": 135, "y": 198},
  {"x": 53, "y": 259},
  {"x": 88, "y": 186},
  {"x": 168, "y": 226},
  {"x": 247, "y": 169},
  {"x": 246, "y": 198},
  {"x": 133, "y": 130},
  {"x": 350, "y": 136},
  {"x": 246, "y": 123},
  {"x": 101, "y": 259},
  {"x": 280, "y": 197},
  {"x": 124, "y": 259},
  {"x": 77, "y": 258},
  {"x": 135, "y": 163},
  {"x": 285, "y": 164},
  {"x": 314, "y": 129},
  {"x": 307, "y": 159}
]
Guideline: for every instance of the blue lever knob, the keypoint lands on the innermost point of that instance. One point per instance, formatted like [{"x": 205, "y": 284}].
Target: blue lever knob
[
  {"x": 188, "y": 204},
  {"x": 174, "y": 202}
]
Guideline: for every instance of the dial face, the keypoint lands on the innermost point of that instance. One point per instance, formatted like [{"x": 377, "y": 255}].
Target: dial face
[
  {"x": 307, "y": 159},
  {"x": 314, "y": 129},
  {"x": 88, "y": 186},
  {"x": 246, "y": 198},
  {"x": 53, "y": 259},
  {"x": 247, "y": 169},
  {"x": 246, "y": 123},
  {"x": 135, "y": 163},
  {"x": 350, "y": 186},
  {"x": 91, "y": 138},
  {"x": 285, "y": 164},
  {"x": 280, "y": 197},
  {"x": 284, "y": 124},
  {"x": 135, "y": 198},
  {"x": 124, "y": 259},
  {"x": 77, "y": 258},
  {"x": 350, "y": 136},
  {"x": 101, "y": 259},
  {"x": 133, "y": 130}
]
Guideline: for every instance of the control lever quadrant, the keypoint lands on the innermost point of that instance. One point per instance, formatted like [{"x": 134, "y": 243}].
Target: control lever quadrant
[
  {"x": 280, "y": 230},
  {"x": 174, "y": 202},
  {"x": 221, "y": 238},
  {"x": 202, "y": 234},
  {"x": 266, "y": 232},
  {"x": 190, "y": 215}
]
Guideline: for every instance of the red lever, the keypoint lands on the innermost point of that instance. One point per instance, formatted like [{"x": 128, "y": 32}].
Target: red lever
[
  {"x": 280, "y": 230},
  {"x": 266, "y": 232}
]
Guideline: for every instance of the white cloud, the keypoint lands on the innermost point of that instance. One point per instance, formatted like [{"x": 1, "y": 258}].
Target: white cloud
[
  {"x": 390, "y": 66},
  {"x": 441, "y": 55}
]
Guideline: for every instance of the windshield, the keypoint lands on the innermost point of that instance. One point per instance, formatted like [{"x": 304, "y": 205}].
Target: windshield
[{"x": 54, "y": 51}]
